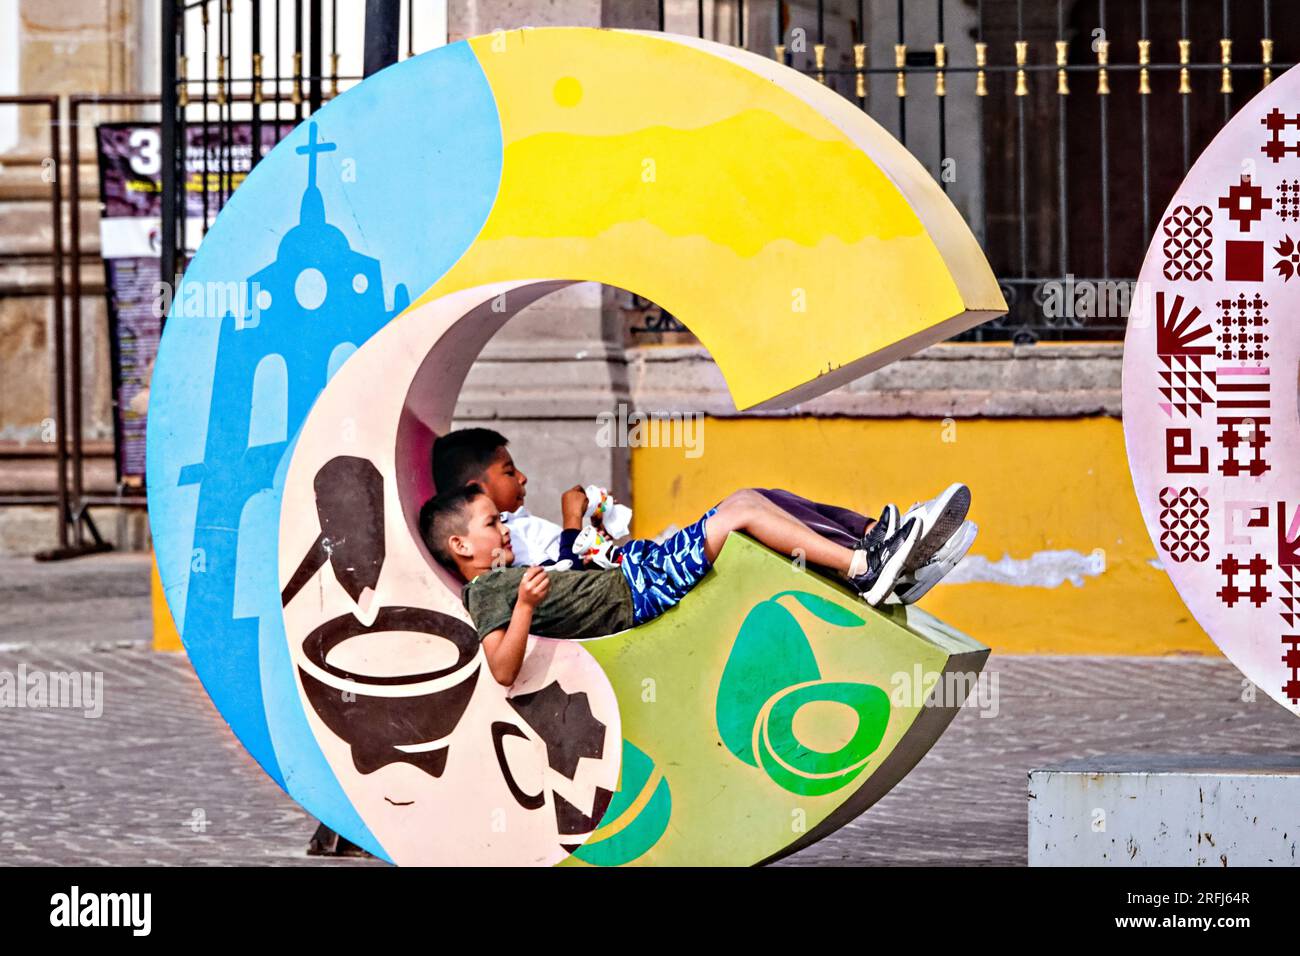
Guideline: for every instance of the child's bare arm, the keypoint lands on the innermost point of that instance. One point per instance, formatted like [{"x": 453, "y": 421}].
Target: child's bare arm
[
  {"x": 505, "y": 646},
  {"x": 573, "y": 503}
]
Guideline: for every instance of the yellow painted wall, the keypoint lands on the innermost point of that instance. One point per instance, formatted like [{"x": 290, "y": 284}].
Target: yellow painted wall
[{"x": 1037, "y": 485}]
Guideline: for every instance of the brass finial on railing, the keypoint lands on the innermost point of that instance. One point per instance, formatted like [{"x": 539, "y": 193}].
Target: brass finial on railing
[
  {"x": 860, "y": 64},
  {"x": 223, "y": 66},
  {"x": 819, "y": 54},
  {"x": 257, "y": 79},
  {"x": 1225, "y": 57},
  {"x": 900, "y": 62},
  {"x": 1103, "y": 75},
  {"x": 334, "y": 74},
  {"x": 1062, "y": 60},
  {"x": 1144, "y": 74},
  {"x": 779, "y": 50},
  {"x": 203, "y": 82},
  {"x": 981, "y": 61},
  {"x": 1266, "y": 57},
  {"x": 182, "y": 87},
  {"x": 940, "y": 61},
  {"x": 296, "y": 96},
  {"x": 1022, "y": 54},
  {"x": 1184, "y": 74}
]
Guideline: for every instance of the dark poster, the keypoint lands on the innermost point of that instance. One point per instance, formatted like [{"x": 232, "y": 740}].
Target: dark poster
[{"x": 130, "y": 190}]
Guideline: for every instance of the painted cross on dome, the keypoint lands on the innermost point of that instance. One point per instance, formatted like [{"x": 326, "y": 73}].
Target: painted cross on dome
[{"x": 313, "y": 147}]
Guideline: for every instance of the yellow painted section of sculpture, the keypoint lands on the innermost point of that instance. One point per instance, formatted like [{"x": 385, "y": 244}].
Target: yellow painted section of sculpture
[
  {"x": 165, "y": 635},
  {"x": 715, "y": 193},
  {"x": 1052, "y": 498}
]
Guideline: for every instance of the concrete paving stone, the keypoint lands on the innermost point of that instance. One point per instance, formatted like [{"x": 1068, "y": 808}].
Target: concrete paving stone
[{"x": 126, "y": 787}]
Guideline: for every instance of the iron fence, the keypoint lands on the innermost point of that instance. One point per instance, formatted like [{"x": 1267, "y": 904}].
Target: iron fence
[
  {"x": 1065, "y": 108},
  {"x": 1060, "y": 128}
]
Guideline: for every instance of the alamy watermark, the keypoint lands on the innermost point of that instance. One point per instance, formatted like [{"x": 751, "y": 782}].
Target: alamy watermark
[
  {"x": 53, "y": 690},
  {"x": 629, "y": 429},
  {"x": 1071, "y": 300},
  {"x": 921, "y": 688},
  {"x": 133, "y": 911},
  {"x": 190, "y": 299}
]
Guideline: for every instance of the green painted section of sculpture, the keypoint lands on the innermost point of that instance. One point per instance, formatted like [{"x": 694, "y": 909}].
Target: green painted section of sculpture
[
  {"x": 769, "y": 700},
  {"x": 644, "y": 824}
]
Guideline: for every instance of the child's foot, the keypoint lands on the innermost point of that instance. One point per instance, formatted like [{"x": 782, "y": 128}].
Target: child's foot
[
  {"x": 912, "y": 586},
  {"x": 885, "y": 560},
  {"x": 940, "y": 518}
]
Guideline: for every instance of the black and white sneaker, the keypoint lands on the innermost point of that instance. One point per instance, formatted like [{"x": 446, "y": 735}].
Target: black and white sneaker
[
  {"x": 885, "y": 561},
  {"x": 881, "y": 529},
  {"x": 940, "y": 518}
]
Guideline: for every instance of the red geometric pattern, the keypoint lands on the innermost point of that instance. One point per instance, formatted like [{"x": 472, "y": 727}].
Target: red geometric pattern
[
  {"x": 1244, "y": 389},
  {"x": 1288, "y": 560},
  {"x": 1186, "y": 383},
  {"x": 1289, "y": 263},
  {"x": 1287, "y": 203},
  {"x": 1179, "y": 443},
  {"x": 1184, "y": 524},
  {"x": 1241, "y": 329},
  {"x": 1184, "y": 389},
  {"x": 1219, "y": 272},
  {"x": 1187, "y": 247},
  {"x": 1288, "y": 538},
  {"x": 1243, "y": 432},
  {"x": 1290, "y": 581},
  {"x": 1277, "y": 123},
  {"x": 1174, "y": 335},
  {"x": 1256, "y": 514},
  {"x": 1292, "y": 660},
  {"x": 1245, "y": 204},
  {"x": 1257, "y": 593},
  {"x": 1243, "y": 260}
]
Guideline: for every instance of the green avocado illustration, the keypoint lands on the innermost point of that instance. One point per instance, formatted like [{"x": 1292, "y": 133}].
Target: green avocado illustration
[{"x": 770, "y": 674}]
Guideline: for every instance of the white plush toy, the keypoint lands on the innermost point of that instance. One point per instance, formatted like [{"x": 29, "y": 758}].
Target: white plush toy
[
  {"x": 591, "y": 543},
  {"x": 615, "y": 518}
]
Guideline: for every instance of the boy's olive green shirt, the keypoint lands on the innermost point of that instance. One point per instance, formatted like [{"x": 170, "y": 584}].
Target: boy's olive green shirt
[{"x": 579, "y": 604}]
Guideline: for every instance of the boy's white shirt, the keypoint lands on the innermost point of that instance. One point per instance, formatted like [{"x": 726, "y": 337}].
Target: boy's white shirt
[{"x": 533, "y": 539}]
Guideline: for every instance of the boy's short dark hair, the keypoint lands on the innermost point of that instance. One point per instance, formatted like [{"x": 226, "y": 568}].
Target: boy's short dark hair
[
  {"x": 444, "y": 515},
  {"x": 464, "y": 455}
]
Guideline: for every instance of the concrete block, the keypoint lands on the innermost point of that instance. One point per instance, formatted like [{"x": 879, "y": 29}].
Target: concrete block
[{"x": 1161, "y": 810}]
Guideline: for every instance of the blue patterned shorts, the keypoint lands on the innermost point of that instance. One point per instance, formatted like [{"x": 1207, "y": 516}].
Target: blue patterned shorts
[{"x": 660, "y": 574}]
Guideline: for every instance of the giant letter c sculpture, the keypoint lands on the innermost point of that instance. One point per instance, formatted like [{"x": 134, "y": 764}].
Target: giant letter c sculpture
[{"x": 289, "y": 435}]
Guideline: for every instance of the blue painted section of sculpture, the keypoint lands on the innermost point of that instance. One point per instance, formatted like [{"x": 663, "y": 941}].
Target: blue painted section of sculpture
[
  {"x": 312, "y": 283},
  {"x": 234, "y": 384}
]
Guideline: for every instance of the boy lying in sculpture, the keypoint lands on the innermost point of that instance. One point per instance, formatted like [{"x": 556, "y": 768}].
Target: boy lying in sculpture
[
  {"x": 480, "y": 456},
  {"x": 464, "y": 531}
]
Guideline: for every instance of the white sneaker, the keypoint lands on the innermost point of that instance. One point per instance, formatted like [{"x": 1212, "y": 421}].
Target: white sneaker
[
  {"x": 941, "y": 517},
  {"x": 910, "y": 588}
]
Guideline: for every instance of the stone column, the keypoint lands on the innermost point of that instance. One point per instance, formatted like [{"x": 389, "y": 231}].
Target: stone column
[{"x": 467, "y": 18}]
